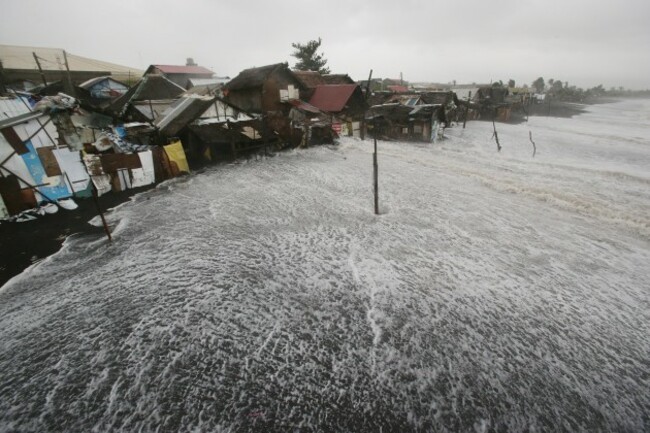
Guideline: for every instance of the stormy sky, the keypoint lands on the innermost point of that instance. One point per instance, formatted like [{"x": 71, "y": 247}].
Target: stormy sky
[{"x": 584, "y": 42}]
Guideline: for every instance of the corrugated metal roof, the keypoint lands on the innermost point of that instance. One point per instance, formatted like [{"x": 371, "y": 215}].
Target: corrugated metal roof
[
  {"x": 182, "y": 112},
  {"x": 174, "y": 69},
  {"x": 332, "y": 97},
  {"x": 51, "y": 59},
  {"x": 88, "y": 84},
  {"x": 208, "y": 81},
  {"x": 12, "y": 107},
  {"x": 22, "y": 118}
]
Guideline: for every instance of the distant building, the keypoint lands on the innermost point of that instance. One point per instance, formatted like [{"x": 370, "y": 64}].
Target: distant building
[
  {"x": 19, "y": 66},
  {"x": 181, "y": 75}
]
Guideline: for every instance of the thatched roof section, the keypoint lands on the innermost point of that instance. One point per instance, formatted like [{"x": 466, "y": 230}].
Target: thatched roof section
[
  {"x": 309, "y": 79},
  {"x": 338, "y": 79},
  {"x": 254, "y": 77}
]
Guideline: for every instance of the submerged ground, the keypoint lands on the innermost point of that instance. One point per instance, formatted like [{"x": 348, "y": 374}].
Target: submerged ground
[{"x": 496, "y": 291}]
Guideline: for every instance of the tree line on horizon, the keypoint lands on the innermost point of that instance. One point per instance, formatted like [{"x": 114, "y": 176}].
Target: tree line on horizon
[{"x": 308, "y": 59}]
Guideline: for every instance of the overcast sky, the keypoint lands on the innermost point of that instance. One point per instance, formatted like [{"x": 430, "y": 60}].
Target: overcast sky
[{"x": 585, "y": 42}]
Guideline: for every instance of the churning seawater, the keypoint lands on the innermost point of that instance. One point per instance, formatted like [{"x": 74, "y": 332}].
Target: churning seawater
[{"x": 496, "y": 292}]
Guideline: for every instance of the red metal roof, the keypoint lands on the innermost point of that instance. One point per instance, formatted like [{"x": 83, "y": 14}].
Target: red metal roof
[
  {"x": 302, "y": 105},
  {"x": 332, "y": 97},
  {"x": 172, "y": 69}
]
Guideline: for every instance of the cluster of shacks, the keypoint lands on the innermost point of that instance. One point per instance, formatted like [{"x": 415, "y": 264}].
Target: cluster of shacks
[{"x": 72, "y": 126}]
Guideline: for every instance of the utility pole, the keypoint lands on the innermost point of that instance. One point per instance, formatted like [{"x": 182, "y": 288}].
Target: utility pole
[
  {"x": 362, "y": 132},
  {"x": 375, "y": 167},
  {"x": 39, "y": 68}
]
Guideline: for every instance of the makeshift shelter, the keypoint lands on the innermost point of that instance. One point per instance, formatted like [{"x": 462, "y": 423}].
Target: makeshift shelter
[
  {"x": 309, "y": 124},
  {"x": 36, "y": 164},
  {"x": 98, "y": 93},
  {"x": 401, "y": 122},
  {"x": 210, "y": 127},
  {"x": 263, "y": 90},
  {"x": 345, "y": 103},
  {"x": 145, "y": 101}
]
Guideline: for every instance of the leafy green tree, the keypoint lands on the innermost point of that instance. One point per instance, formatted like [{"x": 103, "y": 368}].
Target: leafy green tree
[
  {"x": 539, "y": 84},
  {"x": 511, "y": 83},
  {"x": 308, "y": 59}
]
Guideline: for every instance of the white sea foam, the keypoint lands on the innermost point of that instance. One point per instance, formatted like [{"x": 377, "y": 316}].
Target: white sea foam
[{"x": 496, "y": 291}]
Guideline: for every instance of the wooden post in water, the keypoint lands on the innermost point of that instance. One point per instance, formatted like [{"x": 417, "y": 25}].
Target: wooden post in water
[
  {"x": 375, "y": 167},
  {"x": 469, "y": 98},
  {"x": 265, "y": 136},
  {"x": 233, "y": 149},
  {"x": 99, "y": 209}
]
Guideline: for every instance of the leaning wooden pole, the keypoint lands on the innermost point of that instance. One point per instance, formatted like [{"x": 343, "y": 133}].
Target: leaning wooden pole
[
  {"x": 99, "y": 209},
  {"x": 38, "y": 64},
  {"x": 71, "y": 88},
  {"x": 495, "y": 135},
  {"x": 375, "y": 167}
]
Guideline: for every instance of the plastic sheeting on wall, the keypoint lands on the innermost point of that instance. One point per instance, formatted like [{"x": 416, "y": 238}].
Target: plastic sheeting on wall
[
  {"x": 54, "y": 186},
  {"x": 176, "y": 155}
]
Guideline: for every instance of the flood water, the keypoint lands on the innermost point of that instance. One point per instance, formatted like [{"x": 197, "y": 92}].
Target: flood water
[{"x": 495, "y": 292}]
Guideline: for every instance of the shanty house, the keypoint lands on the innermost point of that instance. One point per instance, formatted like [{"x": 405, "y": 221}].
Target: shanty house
[
  {"x": 258, "y": 90},
  {"x": 36, "y": 163},
  {"x": 345, "y": 102},
  {"x": 99, "y": 92},
  {"x": 402, "y": 122}
]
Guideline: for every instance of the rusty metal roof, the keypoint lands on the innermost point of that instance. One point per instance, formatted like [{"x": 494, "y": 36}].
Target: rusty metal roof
[
  {"x": 332, "y": 97},
  {"x": 302, "y": 105},
  {"x": 398, "y": 89}
]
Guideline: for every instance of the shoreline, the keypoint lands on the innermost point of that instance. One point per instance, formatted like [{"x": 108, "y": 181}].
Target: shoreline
[{"x": 27, "y": 243}]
